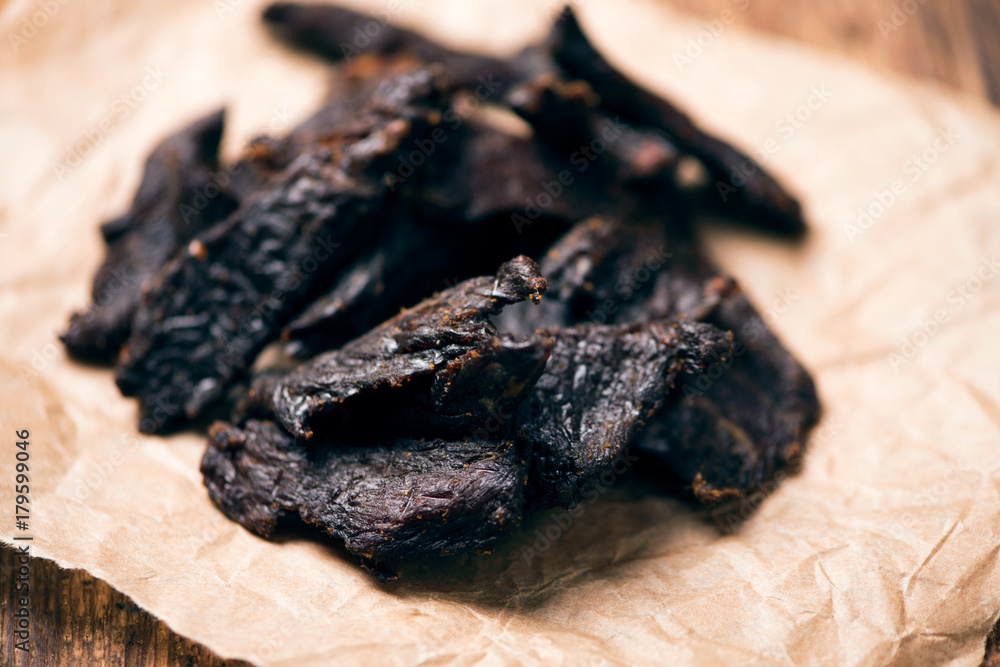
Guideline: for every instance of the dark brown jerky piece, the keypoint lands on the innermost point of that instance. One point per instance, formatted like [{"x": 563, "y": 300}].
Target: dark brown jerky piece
[
  {"x": 407, "y": 348},
  {"x": 603, "y": 271},
  {"x": 478, "y": 391},
  {"x": 599, "y": 387},
  {"x": 642, "y": 155},
  {"x": 730, "y": 428},
  {"x": 569, "y": 266},
  {"x": 495, "y": 174},
  {"x": 559, "y": 111},
  {"x": 470, "y": 396},
  {"x": 727, "y": 429},
  {"x": 461, "y": 204},
  {"x": 177, "y": 198},
  {"x": 350, "y": 88},
  {"x": 386, "y": 501},
  {"x": 211, "y": 311},
  {"x": 617, "y": 166},
  {"x": 564, "y": 118},
  {"x": 341, "y": 34},
  {"x": 769, "y": 205},
  {"x": 408, "y": 261}
]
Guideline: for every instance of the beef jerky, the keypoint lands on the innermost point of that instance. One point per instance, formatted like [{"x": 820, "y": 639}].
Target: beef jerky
[
  {"x": 408, "y": 261},
  {"x": 461, "y": 203},
  {"x": 338, "y": 34},
  {"x": 618, "y": 164},
  {"x": 643, "y": 156},
  {"x": 731, "y": 427},
  {"x": 495, "y": 174},
  {"x": 767, "y": 203},
  {"x": 563, "y": 118},
  {"x": 349, "y": 89},
  {"x": 211, "y": 311},
  {"x": 599, "y": 387},
  {"x": 559, "y": 111},
  {"x": 393, "y": 275},
  {"x": 386, "y": 501},
  {"x": 728, "y": 429},
  {"x": 476, "y": 392},
  {"x": 177, "y": 198},
  {"x": 604, "y": 271},
  {"x": 569, "y": 266},
  {"x": 471, "y": 394},
  {"x": 403, "y": 353}
]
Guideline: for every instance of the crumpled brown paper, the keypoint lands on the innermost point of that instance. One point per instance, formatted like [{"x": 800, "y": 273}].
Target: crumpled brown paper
[{"x": 882, "y": 551}]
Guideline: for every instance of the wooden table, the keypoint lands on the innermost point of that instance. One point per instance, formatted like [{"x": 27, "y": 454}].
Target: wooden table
[
  {"x": 951, "y": 41},
  {"x": 81, "y": 620}
]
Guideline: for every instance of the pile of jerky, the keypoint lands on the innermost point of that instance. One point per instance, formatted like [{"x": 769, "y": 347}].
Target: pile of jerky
[{"x": 435, "y": 428}]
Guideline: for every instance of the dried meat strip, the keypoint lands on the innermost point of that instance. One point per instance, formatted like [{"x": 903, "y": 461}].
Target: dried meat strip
[
  {"x": 604, "y": 271},
  {"x": 339, "y": 34},
  {"x": 465, "y": 204},
  {"x": 387, "y": 501},
  {"x": 378, "y": 283},
  {"x": 211, "y": 311},
  {"x": 730, "y": 428},
  {"x": 350, "y": 89},
  {"x": 495, "y": 174},
  {"x": 404, "y": 353},
  {"x": 767, "y": 204},
  {"x": 179, "y": 196},
  {"x": 599, "y": 387}
]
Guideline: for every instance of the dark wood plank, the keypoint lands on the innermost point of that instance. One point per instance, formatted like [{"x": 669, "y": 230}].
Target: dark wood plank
[
  {"x": 992, "y": 657},
  {"x": 951, "y": 41},
  {"x": 79, "y": 620}
]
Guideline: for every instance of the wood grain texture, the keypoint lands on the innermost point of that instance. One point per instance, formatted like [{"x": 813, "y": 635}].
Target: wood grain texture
[
  {"x": 951, "y": 41},
  {"x": 992, "y": 657},
  {"x": 77, "y": 619}
]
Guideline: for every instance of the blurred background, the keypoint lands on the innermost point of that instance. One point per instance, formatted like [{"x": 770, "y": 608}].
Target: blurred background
[{"x": 951, "y": 43}]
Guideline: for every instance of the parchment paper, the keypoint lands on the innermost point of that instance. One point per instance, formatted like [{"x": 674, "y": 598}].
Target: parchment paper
[{"x": 882, "y": 551}]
